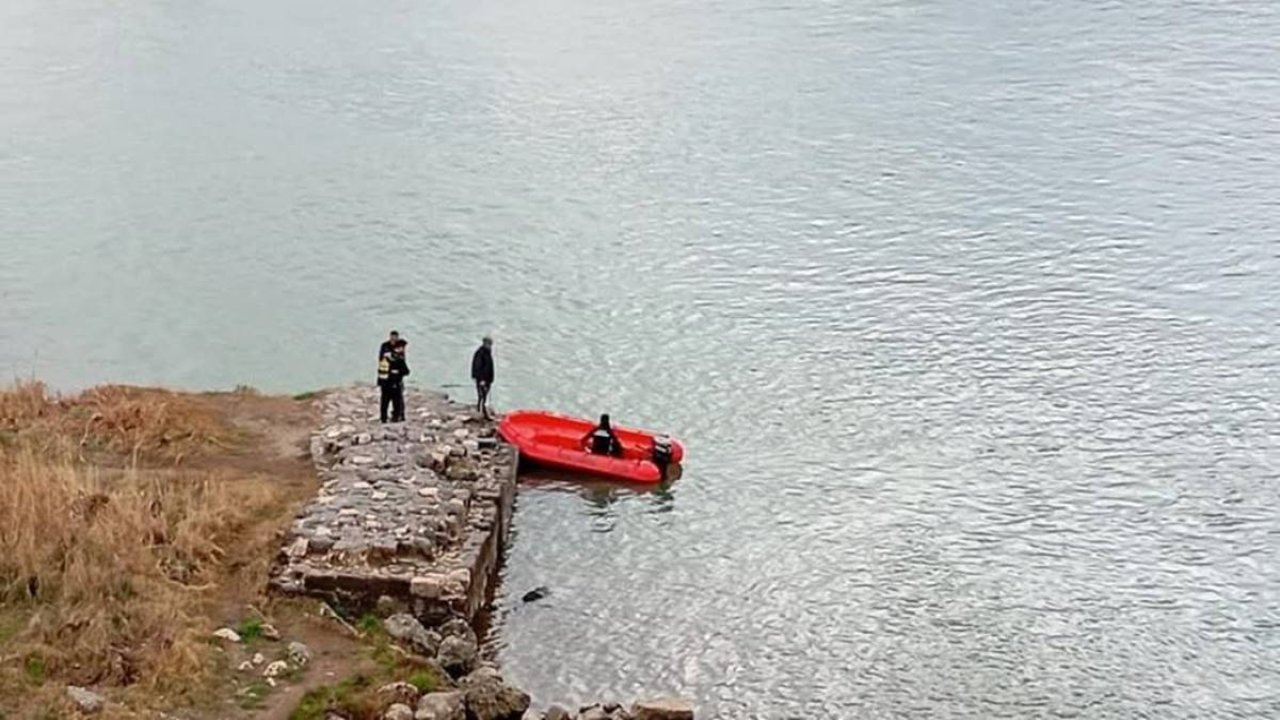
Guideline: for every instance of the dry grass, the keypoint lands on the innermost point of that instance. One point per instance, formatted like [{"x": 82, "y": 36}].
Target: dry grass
[
  {"x": 113, "y": 566},
  {"x": 116, "y": 568},
  {"x": 135, "y": 424}
]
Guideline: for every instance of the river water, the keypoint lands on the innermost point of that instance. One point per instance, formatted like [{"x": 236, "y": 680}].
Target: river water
[{"x": 967, "y": 312}]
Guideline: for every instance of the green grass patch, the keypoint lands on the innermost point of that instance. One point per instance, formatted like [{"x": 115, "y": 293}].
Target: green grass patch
[
  {"x": 12, "y": 620},
  {"x": 386, "y": 658},
  {"x": 35, "y": 669},
  {"x": 354, "y": 697},
  {"x": 357, "y": 696},
  {"x": 369, "y": 624},
  {"x": 308, "y": 395},
  {"x": 250, "y": 629},
  {"x": 254, "y": 695},
  {"x": 425, "y": 680}
]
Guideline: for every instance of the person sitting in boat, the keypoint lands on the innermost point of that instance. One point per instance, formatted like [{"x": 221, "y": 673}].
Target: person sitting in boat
[{"x": 603, "y": 440}]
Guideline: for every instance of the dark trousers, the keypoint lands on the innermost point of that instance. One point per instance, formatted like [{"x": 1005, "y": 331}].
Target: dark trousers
[
  {"x": 482, "y": 396},
  {"x": 393, "y": 396}
]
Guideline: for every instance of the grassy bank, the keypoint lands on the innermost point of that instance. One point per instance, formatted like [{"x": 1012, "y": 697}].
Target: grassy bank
[{"x": 132, "y": 523}]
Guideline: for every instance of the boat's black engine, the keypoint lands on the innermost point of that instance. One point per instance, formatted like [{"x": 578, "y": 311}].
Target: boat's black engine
[{"x": 662, "y": 453}]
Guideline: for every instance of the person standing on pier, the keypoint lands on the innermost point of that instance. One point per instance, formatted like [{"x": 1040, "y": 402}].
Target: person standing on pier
[
  {"x": 482, "y": 374},
  {"x": 389, "y": 344},
  {"x": 392, "y": 370}
]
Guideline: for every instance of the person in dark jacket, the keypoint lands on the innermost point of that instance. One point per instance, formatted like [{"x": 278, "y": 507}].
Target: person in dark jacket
[
  {"x": 392, "y": 370},
  {"x": 389, "y": 344},
  {"x": 603, "y": 440},
  {"x": 482, "y": 374}
]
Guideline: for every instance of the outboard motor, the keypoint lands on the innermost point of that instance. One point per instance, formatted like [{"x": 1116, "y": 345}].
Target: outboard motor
[{"x": 662, "y": 453}]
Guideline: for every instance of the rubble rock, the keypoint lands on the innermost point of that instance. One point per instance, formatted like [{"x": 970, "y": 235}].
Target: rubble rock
[
  {"x": 87, "y": 701},
  {"x": 398, "y": 711},
  {"x": 299, "y": 654},
  {"x": 459, "y": 628},
  {"x": 406, "y": 628},
  {"x": 457, "y": 656},
  {"x": 495, "y": 701},
  {"x": 388, "y": 606},
  {"x": 480, "y": 676},
  {"x": 399, "y": 692},
  {"x": 441, "y": 706}
]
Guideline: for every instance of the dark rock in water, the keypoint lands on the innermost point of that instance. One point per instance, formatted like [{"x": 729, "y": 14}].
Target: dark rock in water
[{"x": 536, "y": 594}]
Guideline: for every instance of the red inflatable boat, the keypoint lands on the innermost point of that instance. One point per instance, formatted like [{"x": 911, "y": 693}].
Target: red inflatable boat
[{"x": 560, "y": 441}]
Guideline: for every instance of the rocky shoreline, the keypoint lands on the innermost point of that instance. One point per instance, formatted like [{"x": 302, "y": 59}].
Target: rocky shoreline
[{"x": 410, "y": 525}]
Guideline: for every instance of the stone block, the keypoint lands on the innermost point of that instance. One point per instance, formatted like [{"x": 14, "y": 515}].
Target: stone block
[
  {"x": 662, "y": 709},
  {"x": 427, "y": 586},
  {"x": 298, "y": 548}
]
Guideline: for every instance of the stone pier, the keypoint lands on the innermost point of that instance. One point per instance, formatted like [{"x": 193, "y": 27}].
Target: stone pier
[{"x": 416, "y": 511}]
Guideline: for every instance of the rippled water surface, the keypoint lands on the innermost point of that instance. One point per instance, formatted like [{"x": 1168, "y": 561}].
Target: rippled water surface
[{"x": 966, "y": 311}]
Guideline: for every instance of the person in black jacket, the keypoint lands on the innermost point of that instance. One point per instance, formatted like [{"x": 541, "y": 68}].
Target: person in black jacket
[
  {"x": 482, "y": 374},
  {"x": 389, "y": 344},
  {"x": 392, "y": 370},
  {"x": 602, "y": 440}
]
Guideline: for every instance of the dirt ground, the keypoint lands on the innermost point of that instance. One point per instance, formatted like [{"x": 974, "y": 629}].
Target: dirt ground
[{"x": 278, "y": 431}]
